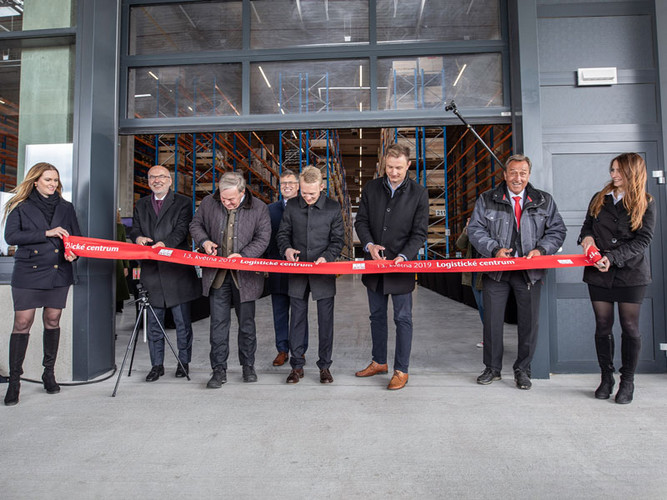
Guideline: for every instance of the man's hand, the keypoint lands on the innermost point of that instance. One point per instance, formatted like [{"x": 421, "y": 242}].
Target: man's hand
[
  {"x": 234, "y": 256},
  {"x": 320, "y": 260},
  {"x": 375, "y": 250},
  {"x": 159, "y": 244},
  {"x": 504, "y": 253},
  {"x": 399, "y": 259},
  {"x": 534, "y": 252},
  {"x": 209, "y": 247},
  {"x": 292, "y": 255},
  {"x": 143, "y": 240}
]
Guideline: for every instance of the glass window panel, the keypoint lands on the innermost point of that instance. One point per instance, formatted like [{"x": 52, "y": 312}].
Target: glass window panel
[
  {"x": 174, "y": 91},
  {"x": 309, "y": 87},
  {"x": 186, "y": 27},
  {"x": 36, "y": 104},
  {"x": 293, "y": 23},
  {"x": 435, "y": 20},
  {"x": 19, "y": 15},
  {"x": 473, "y": 80}
]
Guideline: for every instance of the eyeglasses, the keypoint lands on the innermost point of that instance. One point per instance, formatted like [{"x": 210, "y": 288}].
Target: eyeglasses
[{"x": 158, "y": 177}]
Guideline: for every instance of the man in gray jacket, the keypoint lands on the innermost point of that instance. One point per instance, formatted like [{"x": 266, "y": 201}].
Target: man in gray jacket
[
  {"x": 232, "y": 223},
  {"x": 513, "y": 220}
]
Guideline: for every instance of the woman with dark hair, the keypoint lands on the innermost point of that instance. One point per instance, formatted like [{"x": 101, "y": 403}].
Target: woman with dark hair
[
  {"x": 619, "y": 222},
  {"x": 37, "y": 219}
]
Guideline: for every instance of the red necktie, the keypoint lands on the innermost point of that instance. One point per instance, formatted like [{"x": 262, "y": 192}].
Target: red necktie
[{"x": 517, "y": 210}]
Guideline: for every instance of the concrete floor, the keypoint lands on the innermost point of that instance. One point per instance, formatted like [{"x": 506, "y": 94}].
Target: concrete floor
[{"x": 443, "y": 436}]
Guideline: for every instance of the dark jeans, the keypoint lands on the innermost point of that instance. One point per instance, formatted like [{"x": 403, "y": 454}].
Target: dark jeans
[
  {"x": 298, "y": 333},
  {"x": 181, "y": 314},
  {"x": 527, "y": 297},
  {"x": 281, "y": 306},
  {"x": 222, "y": 300},
  {"x": 377, "y": 303}
]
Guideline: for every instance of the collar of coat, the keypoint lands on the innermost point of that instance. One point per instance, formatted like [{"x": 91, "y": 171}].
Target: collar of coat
[
  {"x": 534, "y": 198},
  {"x": 401, "y": 186}
]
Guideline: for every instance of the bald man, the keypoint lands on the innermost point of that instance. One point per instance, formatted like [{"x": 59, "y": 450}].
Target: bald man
[{"x": 162, "y": 219}]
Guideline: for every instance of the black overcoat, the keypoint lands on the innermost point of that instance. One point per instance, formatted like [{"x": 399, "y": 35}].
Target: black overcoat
[
  {"x": 168, "y": 284},
  {"x": 398, "y": 223},
  {"x": 625, "y": 249},
  {"x": 316, "y": 231},
  {"x": 39, "y": 261}
]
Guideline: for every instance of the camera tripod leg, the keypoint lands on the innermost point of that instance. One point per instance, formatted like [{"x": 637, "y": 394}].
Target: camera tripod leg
[
  {"x": 171, "y": 346},
  {"x": 134, "y": 347},
  {"x": 132, "y": 341}
]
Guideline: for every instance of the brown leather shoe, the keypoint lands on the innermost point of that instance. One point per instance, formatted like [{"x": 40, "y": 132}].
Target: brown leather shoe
[
  {"x": 398, "y": 381},
  {"x": 281, "y": 359},
  {"x": 325, "y": 376},
  {"x": 372, "y": 369},
  {"x": 294, "y": 376}
]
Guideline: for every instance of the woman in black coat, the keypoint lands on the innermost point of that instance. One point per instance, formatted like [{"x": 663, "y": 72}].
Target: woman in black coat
[
  {"x": 619, "y": 222},
  {"x": 37, "y": 218}
]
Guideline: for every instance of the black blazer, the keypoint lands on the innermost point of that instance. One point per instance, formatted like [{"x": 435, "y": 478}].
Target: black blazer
[
  {"x": 625, "y": 249},
  {"x": 400, "y": 224},
  {"x": 316, "y": 231},
  {"x": 39, "y": 262},
  {"x": 168, "y": 284}
]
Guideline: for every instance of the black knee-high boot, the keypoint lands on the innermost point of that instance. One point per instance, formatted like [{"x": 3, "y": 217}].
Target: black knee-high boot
[
  {"x": 630, "y": 348},
  {"x": 18, "y": 344},
  {"x": 51, "y": 341},
  {"x": 604, "y": 346}
]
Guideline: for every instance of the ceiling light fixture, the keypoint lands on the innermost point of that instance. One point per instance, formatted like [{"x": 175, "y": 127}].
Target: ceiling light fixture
[
  {"x": 463, "y": 68},
  {"x": 153, "y": 75},
  {"x": 264, "y": 75},
  {"x": 141, "y": 95}
]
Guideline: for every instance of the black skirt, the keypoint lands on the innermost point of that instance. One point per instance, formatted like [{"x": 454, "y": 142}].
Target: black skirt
[
  {"x": 31, "y": 298},
  {"x": 631, "y": 294}
]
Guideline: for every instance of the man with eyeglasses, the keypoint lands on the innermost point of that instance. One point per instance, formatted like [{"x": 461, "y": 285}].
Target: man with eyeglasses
[
  {"x": 162, "y": 219},
  {"x": 278, "y": 282}
]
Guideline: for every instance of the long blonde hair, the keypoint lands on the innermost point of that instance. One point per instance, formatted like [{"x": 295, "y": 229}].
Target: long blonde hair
[
  {"x": 635, "y": 200},
  {"x": 24, "y": 189}
]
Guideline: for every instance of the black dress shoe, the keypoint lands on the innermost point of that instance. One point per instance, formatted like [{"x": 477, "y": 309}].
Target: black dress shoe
[
  {"x": 522, "y": 380},
  {"x": 294, "y": 376},
  {"x": 156, "y": 372},
  {"x": 180, "y": 372},
  {"x": 249, "y": 374},
  {"x": 488, "y": 376},
  {"x": 219, "y": 377},
  {"x": 325, "y": 376}
]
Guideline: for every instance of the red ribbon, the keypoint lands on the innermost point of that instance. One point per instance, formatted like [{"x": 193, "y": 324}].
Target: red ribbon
[{"x": 106, "y": 249}]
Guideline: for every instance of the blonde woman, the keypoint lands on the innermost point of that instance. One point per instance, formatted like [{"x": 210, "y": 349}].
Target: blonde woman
[
  {"x": 619, "y": 222},
  {"x": 37, "y": 219}
]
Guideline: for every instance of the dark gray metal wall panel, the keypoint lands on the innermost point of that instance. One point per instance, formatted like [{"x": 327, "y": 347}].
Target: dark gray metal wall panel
[
  {"x": 573, "y": 351},
  {"x": 620, "y": 41},
  {"x": 618, "y": 104},
  {"x": 94, "y": 193}
]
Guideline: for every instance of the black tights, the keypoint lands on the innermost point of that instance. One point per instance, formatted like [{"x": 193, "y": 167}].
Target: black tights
[{"x": 628, "y": 314}]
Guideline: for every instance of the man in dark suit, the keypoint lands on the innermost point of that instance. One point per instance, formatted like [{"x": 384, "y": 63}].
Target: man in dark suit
[
  {"x": 312, "y": 231},
  {"x": 392, "y": 223},
  {"x": 162, "y": 219},
  {"x": 278, "y": 282}
]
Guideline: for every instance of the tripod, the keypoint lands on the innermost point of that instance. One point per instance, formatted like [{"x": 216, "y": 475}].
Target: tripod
[{"x": 142, "y": 315}]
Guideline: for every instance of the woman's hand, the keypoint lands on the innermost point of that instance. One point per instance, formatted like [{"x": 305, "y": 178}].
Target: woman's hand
[
  {"x": 58, "y": 232},
  {"x": 603, "y": 264},
  {"x": 587, "y": 242}
]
